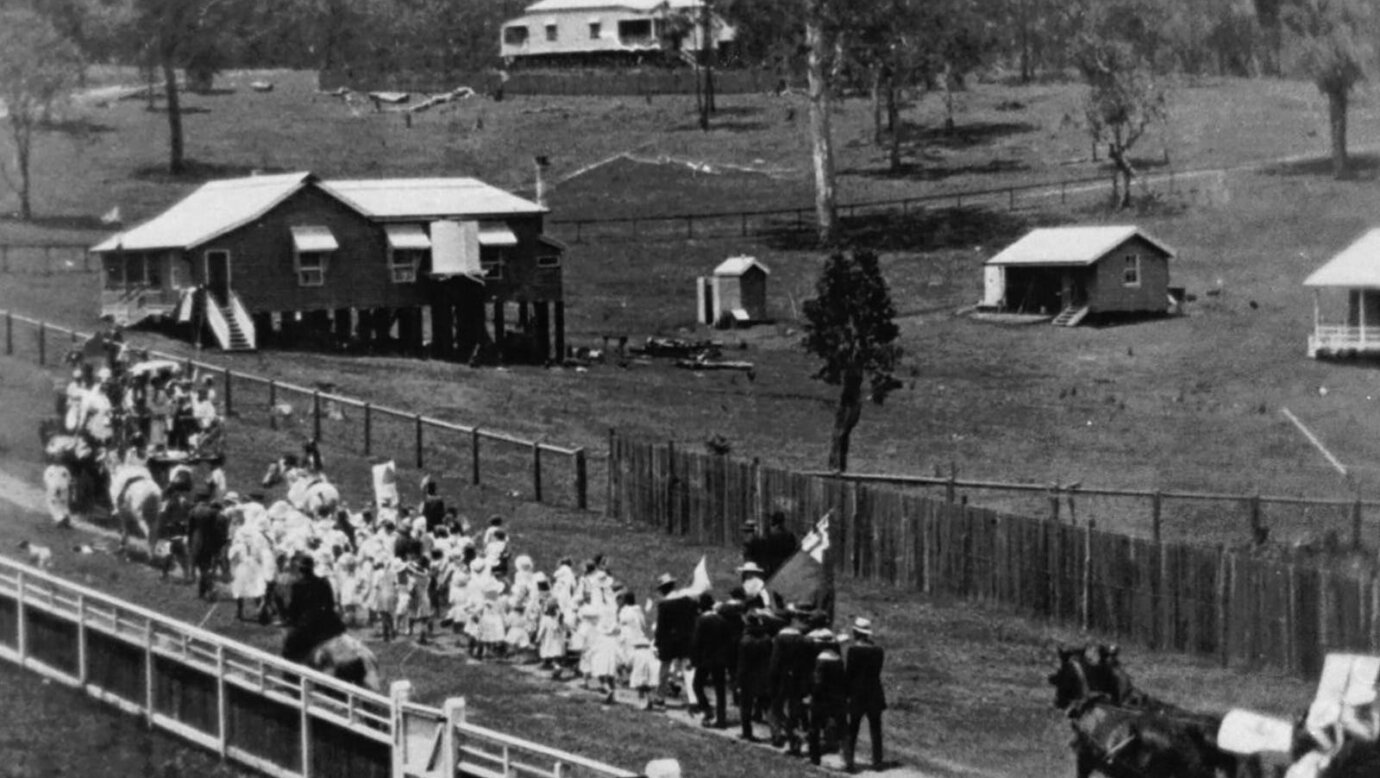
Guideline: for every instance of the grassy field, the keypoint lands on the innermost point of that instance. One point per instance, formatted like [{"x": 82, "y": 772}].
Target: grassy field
[{"x": 965, "y": 683}]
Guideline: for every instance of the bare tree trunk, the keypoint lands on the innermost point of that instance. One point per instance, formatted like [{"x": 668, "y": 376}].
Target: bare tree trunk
[
  {"x": 845, "y": 419},
  {"x": 893, "y": 120},
  {"x": 175, "y": 154},
  {"x": 821, "y": 135},
  {"x": 947, "y": 75},
  {"x": 23, "y": 146},
  {"x": 1336, "y": 115}
]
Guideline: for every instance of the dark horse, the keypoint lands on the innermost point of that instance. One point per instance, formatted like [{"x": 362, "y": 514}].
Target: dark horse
[{"x": 1123, "y": 733}]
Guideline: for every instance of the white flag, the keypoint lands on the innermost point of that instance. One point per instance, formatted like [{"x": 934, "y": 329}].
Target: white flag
[
  {"x": 699, "y": 581},
  {"x": 816, "y": 542}
]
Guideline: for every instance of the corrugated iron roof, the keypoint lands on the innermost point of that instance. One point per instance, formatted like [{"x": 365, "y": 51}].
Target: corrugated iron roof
[
  {"x": 213, "y": 209},
  {"x": 1357, "y": 266},
  {"x": 736, "y": 266},
  {"x": 414, "y": 198},
  {"x": 1070, "y": 245}
]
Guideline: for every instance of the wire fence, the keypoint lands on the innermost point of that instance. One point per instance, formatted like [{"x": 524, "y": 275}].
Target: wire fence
[{"x": 45, "y": 259}]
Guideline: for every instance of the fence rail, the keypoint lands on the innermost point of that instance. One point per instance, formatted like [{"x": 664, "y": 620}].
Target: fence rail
[
  {"x": 1236, "y": 606},
  {"x": 538, "y": 470},
  {"x": 249, "y": 706},
  {"x": 45, "y": 258}
]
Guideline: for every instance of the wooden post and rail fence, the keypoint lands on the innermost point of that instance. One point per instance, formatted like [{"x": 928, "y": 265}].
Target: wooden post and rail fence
[
  {"x": 1236, "y": 606},
  {"x": 538, "y": 470},
  {"x": 246, "y": 705}
]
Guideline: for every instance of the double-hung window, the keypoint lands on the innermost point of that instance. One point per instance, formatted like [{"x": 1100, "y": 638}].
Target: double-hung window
[
  {"x": 1130, "y": 272},
  {"x": 312, "y": 246}
]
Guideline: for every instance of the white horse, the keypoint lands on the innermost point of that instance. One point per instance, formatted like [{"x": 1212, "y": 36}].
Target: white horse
[
  {"x": 310, "y": 493},
  {"x": 137, "y": 503}
]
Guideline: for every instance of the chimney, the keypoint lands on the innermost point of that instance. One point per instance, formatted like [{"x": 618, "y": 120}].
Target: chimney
[{"x": 541, "y": 162}]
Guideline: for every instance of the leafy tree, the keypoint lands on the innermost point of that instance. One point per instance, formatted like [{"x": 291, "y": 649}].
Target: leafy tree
[
  {"x": 1336, "y": 51},
  {"x": 1123, "y": 100},
  {"x": 850, "y": 326},
  {"x": 38, "y": 67}
]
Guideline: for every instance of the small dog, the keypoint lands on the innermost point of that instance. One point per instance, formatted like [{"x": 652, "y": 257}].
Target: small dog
[{"x": 39, "y": 556}]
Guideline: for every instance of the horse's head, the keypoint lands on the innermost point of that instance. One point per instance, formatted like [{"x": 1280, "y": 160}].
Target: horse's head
[
  {"x": 1070, "y": 680},
  {"x": 1109, "y": 676}
]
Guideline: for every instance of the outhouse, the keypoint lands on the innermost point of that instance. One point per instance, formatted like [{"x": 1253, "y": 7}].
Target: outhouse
[{"x": 735, "y": 295}]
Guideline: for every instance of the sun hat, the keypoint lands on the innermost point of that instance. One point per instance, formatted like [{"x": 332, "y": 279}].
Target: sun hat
[{"x": 862, "y": 626}]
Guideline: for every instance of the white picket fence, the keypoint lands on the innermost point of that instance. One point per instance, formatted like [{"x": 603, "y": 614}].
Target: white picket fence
[{"x": 245, "y": 704}]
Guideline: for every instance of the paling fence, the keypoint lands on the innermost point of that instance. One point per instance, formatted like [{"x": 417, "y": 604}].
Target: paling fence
[
  {"x": 531, "y": 469},
  {"x": 1236, "y": 606},
  {"x": 416, "y": 77},
  {"x": 247, "y": 705}
]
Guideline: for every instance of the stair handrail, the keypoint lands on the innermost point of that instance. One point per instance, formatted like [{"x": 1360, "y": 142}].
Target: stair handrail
[
  {"x": 243, "y": 319},
  {"x": 216, "y": 319}
]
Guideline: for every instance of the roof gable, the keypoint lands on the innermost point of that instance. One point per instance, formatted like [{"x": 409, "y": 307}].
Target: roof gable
[
  {"x": 211, "y": 210},
  {"x": 1071, "y": 245},
  {"x": 637, "y": 6},
  {"x": 737, "y": 266},
  {"x": 1356, "y": 266}
]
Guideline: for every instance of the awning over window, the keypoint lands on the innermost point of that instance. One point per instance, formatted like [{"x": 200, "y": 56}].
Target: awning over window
[
  {"x": 312, "y": 238},
  {"x": 406, "y": 236},
  {"x": 496, "y": 234},
  {"x": 455, "y": 249}
]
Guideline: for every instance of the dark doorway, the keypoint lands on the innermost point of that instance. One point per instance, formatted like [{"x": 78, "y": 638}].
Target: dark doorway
[{"x": 218, "y": 275}]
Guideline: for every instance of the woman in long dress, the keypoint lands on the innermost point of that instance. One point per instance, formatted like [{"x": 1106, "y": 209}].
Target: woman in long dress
[{"x": 249, "y": 550}]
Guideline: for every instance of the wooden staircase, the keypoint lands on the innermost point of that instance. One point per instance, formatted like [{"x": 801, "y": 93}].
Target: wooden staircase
[
  {"x": 239, "y": 340},
  {"x": 1070, "y": 316}
]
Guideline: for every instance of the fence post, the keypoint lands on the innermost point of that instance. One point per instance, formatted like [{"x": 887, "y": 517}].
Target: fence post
[
  {"x": 1054, "y": 502},
  {"x": 421, "y": 456},
  {"x": 229, "y": 393},
  {"x": 1156, "y": 507},
  {"x": 474, "y": 456},
  {"x": 1356, "y": 521},
  {"x": 368, "y": 429},
  {"x": 1011, "y": 199},
  {"x": 272, "y": 404},
  {"x": 1255, "y": 517},
  {"x": 454, "y": 708},
  {"x": 9, "y": 334},
  {"x": 581, "y": 480},
  {"x": 222, "y": 704},
  {"x": 1085, "y": 597},
  {"x": 316, "y": 415},
  {"x": 398, "y": 694},
  {"x": 21, "y": 631},
  {"x": 4, "y": 259},
  {"x": 689, "y": 227},
  {"x": 536, "y": 471},
  {"x": 744, "y": 224},
  {"x": 1063, "y": 192},
  {"x": 951, "y": 489},
  {"x": 304, "y": 729},
  {"x": 42, "y": 343},
  {"x": 82, "y": 673},
  {"x": 612, "y": 465},
  {"x": 148, "y": 672}
]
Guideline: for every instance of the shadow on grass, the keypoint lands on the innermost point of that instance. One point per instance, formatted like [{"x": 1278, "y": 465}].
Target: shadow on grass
[
  {"x": 921, "y": 172},
  {"x": 185, "y": 110},
  {"x": 62, "y": 222},
  {"x": 1362, "y": 167},
  {"x": 926, "y": 230},
  {"x": 964, "y": 135},
  {"x": 76, "y": 126},
  {"x": 196, "y": 171}
]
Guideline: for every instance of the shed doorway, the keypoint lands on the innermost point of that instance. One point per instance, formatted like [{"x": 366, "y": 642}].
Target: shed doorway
[{"x": 218, "y": 275}]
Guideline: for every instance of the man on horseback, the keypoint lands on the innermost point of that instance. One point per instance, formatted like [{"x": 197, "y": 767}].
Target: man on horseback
[{"x": 311, "y": 616}]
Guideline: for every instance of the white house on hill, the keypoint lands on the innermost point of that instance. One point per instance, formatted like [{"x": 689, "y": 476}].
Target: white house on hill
[
  {"x": 606, "y": 29},
  {"x": 1356, "y": 273}
]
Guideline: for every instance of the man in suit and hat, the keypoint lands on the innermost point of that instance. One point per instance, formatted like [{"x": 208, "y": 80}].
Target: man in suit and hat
[
  {"x": 755, "y": 586},
  {"x": 781, "y": 543},
  {"x": 709, "y": 653},
  {"x": 828, "y": 692},
  {"x": 862, "y": 663},
  {"x": 754, "y": 662},
  {"x": 675, "y": 626},
  {"x": 755, "y": 545},
  {"x": 788, "y": 650}
]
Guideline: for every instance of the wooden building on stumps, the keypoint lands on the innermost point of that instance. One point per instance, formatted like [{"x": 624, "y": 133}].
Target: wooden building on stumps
[{"x": 439, "y": 266}]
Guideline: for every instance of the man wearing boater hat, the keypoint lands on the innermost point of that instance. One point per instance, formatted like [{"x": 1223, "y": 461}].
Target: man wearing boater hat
[
  {"x": 675, "y": 625},
  {"x": 862, "y": 663}
]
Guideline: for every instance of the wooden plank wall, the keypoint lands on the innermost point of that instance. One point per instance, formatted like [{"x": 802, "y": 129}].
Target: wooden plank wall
[{"x": 1205, "y": 600}]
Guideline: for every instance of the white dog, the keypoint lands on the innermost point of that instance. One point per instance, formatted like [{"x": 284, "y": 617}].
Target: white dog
[{"x": 39, "y": 556}]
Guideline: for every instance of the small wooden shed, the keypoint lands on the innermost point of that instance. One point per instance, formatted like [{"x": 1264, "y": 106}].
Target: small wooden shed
[
  {"x": 1071, "y": 272},
  {"x": 736, "y": 294}
]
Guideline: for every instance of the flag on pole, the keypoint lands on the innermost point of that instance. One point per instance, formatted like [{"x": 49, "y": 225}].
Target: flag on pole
[
  {"x": 699, "y": 580},
  {"x": 804, "y": 577}
]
